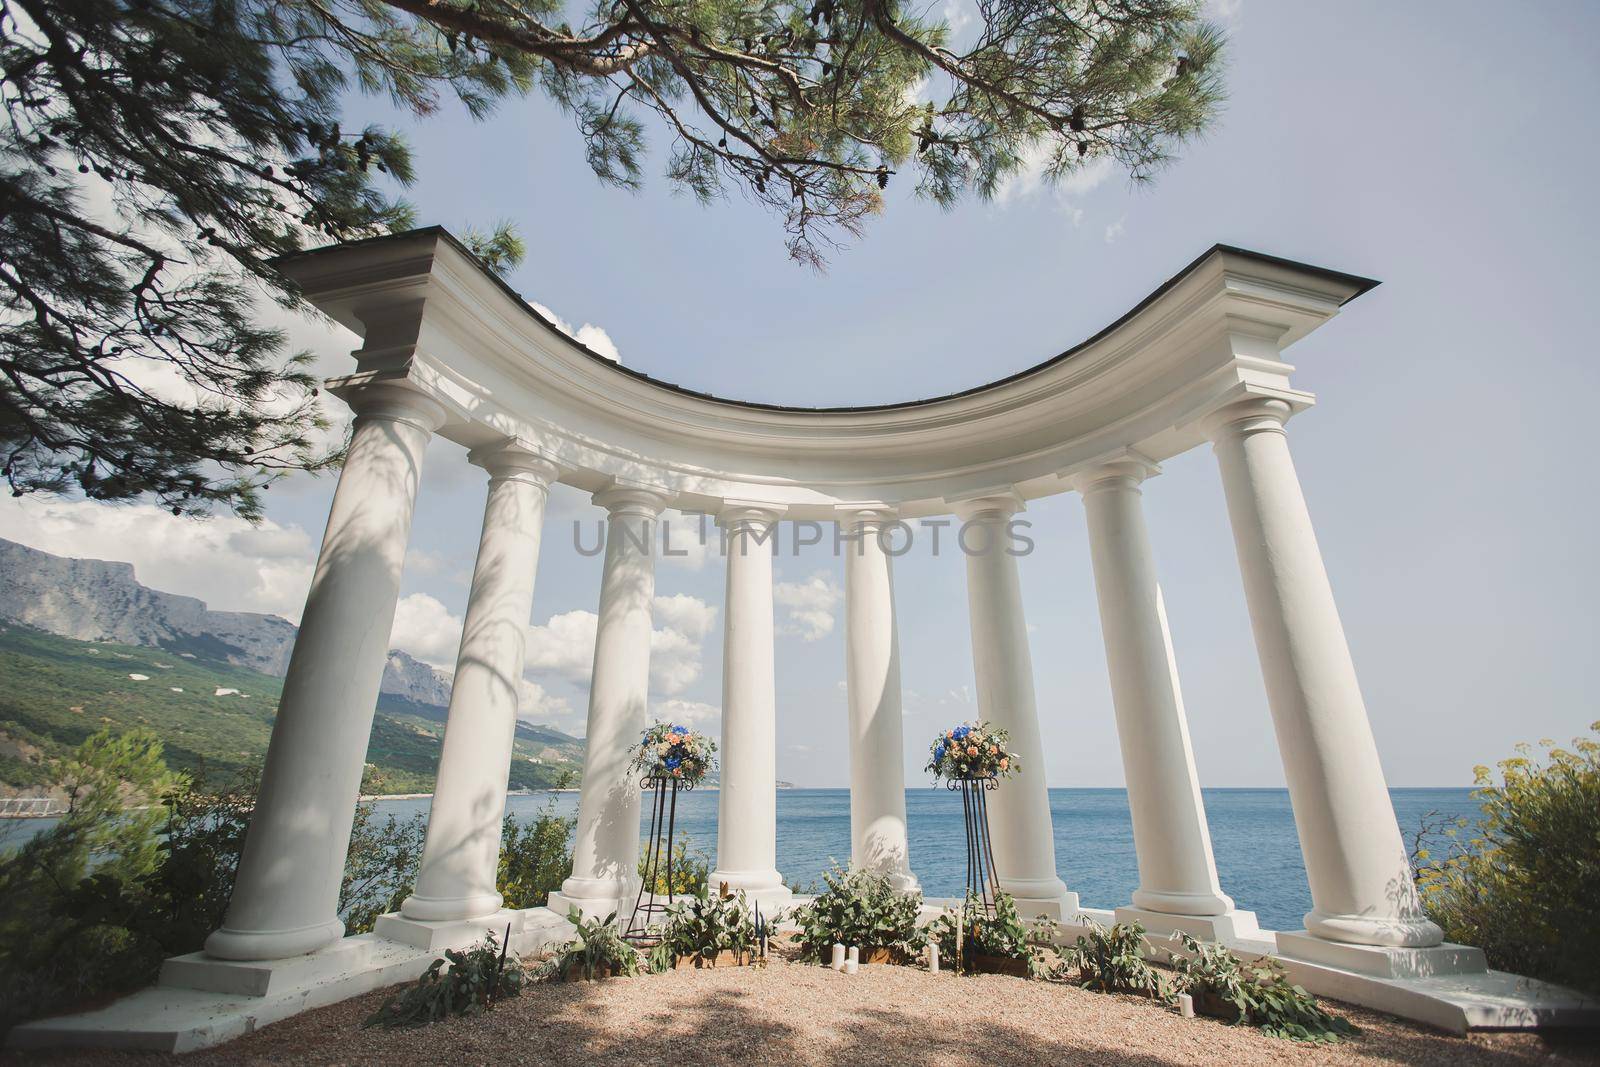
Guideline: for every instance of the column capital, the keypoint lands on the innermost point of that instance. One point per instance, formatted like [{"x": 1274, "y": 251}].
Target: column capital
[
  {"x": 865, "y": 513},
  {"x": 989, "y": 506},
  {"x": 512, "y": 457},
  {"x": 1241, "y": 418},
  {"x": 633, "y": 498},
  {"x": 395, "y": 399},
  {"x": 736, "y": 513},
  {"x": 1125, "y": 471}
]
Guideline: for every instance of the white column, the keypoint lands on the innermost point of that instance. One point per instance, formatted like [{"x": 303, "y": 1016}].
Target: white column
[
  {"x": 1019, "y": 810},
  {"x": 872, "y": 671},
  {"x": 460, "y": 860},
  {"x": 286, "y": 894},
  {"x": 1177, "y": 872},
  {"x": 1361, "y": 888},
  {"x": 605, "y": 854},
  {"x": 747, "y": 805}
]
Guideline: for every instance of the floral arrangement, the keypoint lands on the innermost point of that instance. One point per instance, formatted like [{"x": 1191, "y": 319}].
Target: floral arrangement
[
  {"x": 676, "y": 752},
  {"x": 972, "y": 750}
]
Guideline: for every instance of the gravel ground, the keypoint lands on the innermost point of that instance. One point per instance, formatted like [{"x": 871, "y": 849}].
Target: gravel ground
[{"x": 798, "y": 1014}]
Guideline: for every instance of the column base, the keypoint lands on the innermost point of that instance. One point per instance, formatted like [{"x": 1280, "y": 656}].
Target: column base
[
  {"x": 1382, "y": 961},
  {"x": 1234, "y": 929},
  {"x": 446, "y": 909},
  {"x": 759, "y": 887},
  {"x": 1388, "y": 932},
  {"x": 1041, "y": 896},
  {"x": 229, "y": 944},
  {"x": 434, "y": 935},
  {"x": 593, "y": 903},
  {"x": 1182, "y": 903},
  {"x": 262, "y": 978}
]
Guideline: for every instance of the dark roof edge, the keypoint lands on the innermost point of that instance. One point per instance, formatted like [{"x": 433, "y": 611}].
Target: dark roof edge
[{"x": 1361, "y": 285}]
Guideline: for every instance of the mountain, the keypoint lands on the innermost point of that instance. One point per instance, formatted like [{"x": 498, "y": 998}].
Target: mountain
[
  {"x": 101, "y": 600},
  {"x": 84, "y": 645}
]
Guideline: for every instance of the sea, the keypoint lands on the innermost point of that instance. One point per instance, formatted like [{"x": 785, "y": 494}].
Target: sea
[{"x": 1252, "y": 834}]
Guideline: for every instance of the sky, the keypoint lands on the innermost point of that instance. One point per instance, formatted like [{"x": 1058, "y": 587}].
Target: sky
[{"x": 1447, "y": 150}]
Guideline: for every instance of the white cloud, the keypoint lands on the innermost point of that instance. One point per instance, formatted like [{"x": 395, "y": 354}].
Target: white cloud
[
  {"x": 223, "y": 560},
  {"x": 589, "y": 335},
  {"x": 688, "y": 540},
  {"x": 1029, "y": 179},
  {"x": 808, "y": 606},
  {"x": 424, "y": 627},
  {"x": 536, "y": 705},
  {"x": 1226, "y": 12},
  {"x": 564, "y": 646},
  {"x": 694, "y": 713},
  {"x": 1114, "y": 231}
]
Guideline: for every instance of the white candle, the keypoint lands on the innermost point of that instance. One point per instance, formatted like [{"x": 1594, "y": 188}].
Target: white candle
[
  {"x": 852, "y": 961},
  {"x": 933, "y": 957},
  {"x": 838, "y": 957},
  {"x": 1186, "y": 1005}
]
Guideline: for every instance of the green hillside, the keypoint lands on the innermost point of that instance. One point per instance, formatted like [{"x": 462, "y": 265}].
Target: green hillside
[{"x": 55, "y": 692}]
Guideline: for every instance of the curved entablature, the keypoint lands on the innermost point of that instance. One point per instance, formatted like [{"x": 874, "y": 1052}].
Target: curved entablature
[{"x": 432, "y": 317}]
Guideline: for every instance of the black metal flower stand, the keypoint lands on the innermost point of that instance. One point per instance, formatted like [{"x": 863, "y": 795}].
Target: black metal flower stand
[
  {"x": 982, "y": 882},
  {"x": 643, "y": 923}
]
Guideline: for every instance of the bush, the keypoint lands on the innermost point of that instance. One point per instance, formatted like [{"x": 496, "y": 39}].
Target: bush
[
  {"x": 534, "y": 858},
  {"x": 475, "y": 979},
  {"x": 83, "y": 910},
  {"x": 380, "y": 868},
  {"x": 1524, "y": 888},
  {"x": 858, "y": 908},
  {"x": 970, "y": 932},
  {"x": 1255, "y": 994},
  {"x": 1112, "y": 961},
  {"x": 691, "y": 872},
  {"x": 597, "y": 951},
  {"x": 704, "y": 926}
]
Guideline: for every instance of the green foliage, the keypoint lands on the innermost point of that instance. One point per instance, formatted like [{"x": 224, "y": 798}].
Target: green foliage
[
  {"x": 59, "y": 691},
  {"x": 966, "y": 932},
  {"x": 501, "y": 249},
  {"x": 132, "y": 359},
  {"x": 858, "y": 908},
  {"x": 534, "y": 858},
  {"x": 1112, "y": 961},
  {"x": 691, "y": 872},
  {"x": 80, "y": 910},
  {"x": 596, "y": 951},
  {"x": 462, "y": 983},
  {"x": 1523, "y": 887},
  {"x": 381, "y": 865},
  {"x": 1258, "y": 994},
  {"x": 703, "y": 926}
]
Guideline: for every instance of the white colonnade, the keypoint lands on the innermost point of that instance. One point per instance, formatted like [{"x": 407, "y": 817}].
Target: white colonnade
[{"x": 1200, "y": 361}]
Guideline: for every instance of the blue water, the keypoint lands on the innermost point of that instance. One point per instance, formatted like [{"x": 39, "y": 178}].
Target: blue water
[{"x": 1252, "y": 833}]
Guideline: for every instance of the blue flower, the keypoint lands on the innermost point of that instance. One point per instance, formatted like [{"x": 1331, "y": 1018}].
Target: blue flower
[
  {"x": 680, "y": 730},
  {"x": 962, "y": 731},
  {"x": 938, "y": 753},
  {"x": 672, "y": 763}
]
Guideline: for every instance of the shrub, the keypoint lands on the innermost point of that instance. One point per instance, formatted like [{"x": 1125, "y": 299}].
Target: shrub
[
  {"x": 858, "y": 908},
  {"x": 1112, "y": 961},
  {"x": 1524, "y": 888},
  {"x": 474, "y": 980},
  {"x": 969, "y": 932},
  {"x": 535, "y": 858},
  {"x": 597, "y": 951},
  {"x": 83, "y": 912},
  {"x": 381, "y": 865},
  {"x": 691, "y": 872},
  {"x": 1255, "y": 994},
  {"x": 705, "y": 925}
]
